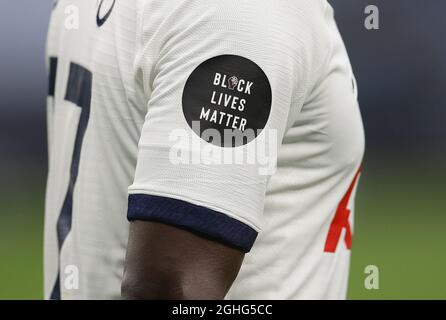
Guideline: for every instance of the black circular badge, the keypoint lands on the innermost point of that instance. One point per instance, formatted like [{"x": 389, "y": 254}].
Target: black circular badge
[{"x": 227, "y": 100}]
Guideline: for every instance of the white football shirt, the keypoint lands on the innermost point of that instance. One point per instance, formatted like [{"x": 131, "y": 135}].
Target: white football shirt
[{"x": 236, "y": 120}]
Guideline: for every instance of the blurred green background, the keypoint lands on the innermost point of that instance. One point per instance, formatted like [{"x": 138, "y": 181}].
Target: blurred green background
[
  {"x": 401, "y": 204},
  {"x": 400, "y": 228}
]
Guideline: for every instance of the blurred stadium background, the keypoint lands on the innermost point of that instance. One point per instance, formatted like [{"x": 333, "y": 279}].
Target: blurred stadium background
[{"x": 401, "y": 209}]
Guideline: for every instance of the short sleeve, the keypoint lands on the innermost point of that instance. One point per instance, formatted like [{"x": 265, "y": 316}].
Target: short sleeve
[{"x": 220, "y": 79}]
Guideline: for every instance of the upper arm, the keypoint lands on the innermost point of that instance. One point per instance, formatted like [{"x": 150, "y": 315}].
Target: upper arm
[
  {"x": 165, "y": 262},
  {"x": 220, "y": 70}
]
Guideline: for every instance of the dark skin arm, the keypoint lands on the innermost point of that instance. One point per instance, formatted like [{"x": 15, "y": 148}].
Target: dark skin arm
[{"x": 165, "y": 262}]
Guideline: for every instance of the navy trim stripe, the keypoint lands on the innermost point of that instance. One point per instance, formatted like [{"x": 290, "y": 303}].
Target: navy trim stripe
[
  {"x": 52, "y": 76},
  {"x": 79, "y": 92},
  {"x": 206, "y": 222}
]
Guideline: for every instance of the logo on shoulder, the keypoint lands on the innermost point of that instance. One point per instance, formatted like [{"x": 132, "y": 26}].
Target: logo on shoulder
[
  {"x": 227, "y": 101},
  {"x": 102, "y": 16}
]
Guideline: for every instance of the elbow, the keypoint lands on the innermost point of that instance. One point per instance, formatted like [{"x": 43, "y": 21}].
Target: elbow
[
  {"x": 170, "y": 285},
  {"x": 132, "y": 291},
  {"x": 156, "y": 286}
]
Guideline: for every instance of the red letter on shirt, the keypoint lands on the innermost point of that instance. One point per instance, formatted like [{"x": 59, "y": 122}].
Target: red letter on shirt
[{"x": 340, "y": 221}]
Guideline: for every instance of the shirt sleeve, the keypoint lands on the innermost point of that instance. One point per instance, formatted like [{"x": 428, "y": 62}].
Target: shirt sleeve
[{"x": 221, "y": 79}]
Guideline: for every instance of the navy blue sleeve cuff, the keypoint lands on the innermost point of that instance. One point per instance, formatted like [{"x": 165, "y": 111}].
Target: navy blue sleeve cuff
[{"x": 203, "y": 221}]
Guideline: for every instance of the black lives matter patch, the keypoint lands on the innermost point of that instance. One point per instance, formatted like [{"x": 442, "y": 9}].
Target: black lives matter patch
[{"x": 227, "y": 100}]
